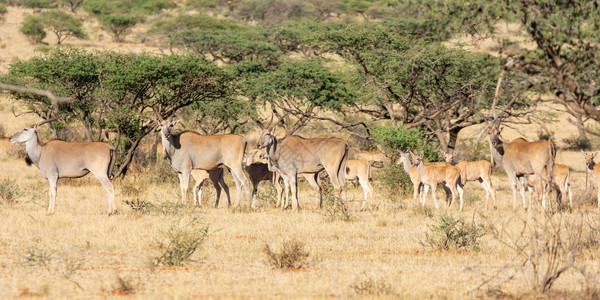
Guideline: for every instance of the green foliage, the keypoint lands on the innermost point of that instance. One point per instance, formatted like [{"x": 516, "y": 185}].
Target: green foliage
[
  {"x": 33, "y": 28},
  {"x": 396, "y": 181},
  {"x": 291, "y": 256},
  {"x": 3, "y": 10},
  {"x": 577, "y": 143},
  {"x": 9, "y": 191},
  {"x": 454, "y": 233},
  {"x": 73, "y": 4},
  {"x": 132, "y": 85},
  {"x": 309, "y": 82},
  {"x": 39, "y": 3},
  {"x": 118, "y": 25},
  {"x": 62, "y": 24},
  {"x": 102, "y": 8},
  {"x": 393, "y": 139},
  {"x": 179, "y": 243}
]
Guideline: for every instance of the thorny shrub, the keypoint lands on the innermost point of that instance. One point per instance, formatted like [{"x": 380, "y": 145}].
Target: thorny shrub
[
  {"x": 542, "y": 249},
  {"x": 9, "y": 191},
  {"x": 177, "y": 244},
  {"x": 454, "y": 233},
  {"x": 291, "y": 256},
  {"x": 373, "y": 287}
]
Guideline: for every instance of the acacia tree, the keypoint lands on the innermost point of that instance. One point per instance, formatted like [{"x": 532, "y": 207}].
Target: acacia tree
[
  {"x": 303, "y": 89},
  {"x": 565, "y": 61},
  {"x": 414, "y": 80},
  {"x": 62, "y": 25},
  {"x": 118, "y": 92}
]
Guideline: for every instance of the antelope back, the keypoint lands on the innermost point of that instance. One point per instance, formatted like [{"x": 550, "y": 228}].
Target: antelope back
[{"x": 356, "y": 169}]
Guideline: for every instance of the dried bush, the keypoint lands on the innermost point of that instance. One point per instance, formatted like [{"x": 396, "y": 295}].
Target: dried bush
[
  {"x": 179, "y": 243},
  {"x": 576, "y": 143},
  {"x": 9, "y": 191},
  {"x": 291, "y": 256},
  {"x": 64, "y": 266},
  {"x": 420, "y": 210},
  {"x": 334, "y": 208},
  {"x": 2, "y": 131},
  {"x": 127, "y": 286},
  {"x": 543, "y": 249},
  {"x": 451, "y": 233},
  {"x": 373, "y": 287}
]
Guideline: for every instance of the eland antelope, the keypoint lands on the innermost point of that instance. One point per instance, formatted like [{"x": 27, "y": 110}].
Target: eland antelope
[
  {"x": 480, "y": 170},
  {"x": 296, "y": 155},
  {"x": 520, "y": 157},
  {"x": 413, "y": 173},
  {"x": 360, "y": 170},
  {"x": 439, "y": 172},
  {"x": 190, "y": 150},
  {"x": 560, "y": 182},
  {"x": 593, "y": 168},
  {"x": 59, "y": 159},
  {"x": 216, "y": 177}
]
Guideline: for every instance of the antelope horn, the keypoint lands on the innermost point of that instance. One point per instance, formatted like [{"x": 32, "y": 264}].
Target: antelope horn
[
  {"x": 271, "y": 120},
  {"x": 46, "y": 121},
  {"x": 158, "y": 117},
  {"x": 282, "y": 117},
  {"x": 171, "y": 117}
]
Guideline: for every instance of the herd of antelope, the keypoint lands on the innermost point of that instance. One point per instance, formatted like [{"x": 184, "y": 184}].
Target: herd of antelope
[{"x": 531, "y": 164}]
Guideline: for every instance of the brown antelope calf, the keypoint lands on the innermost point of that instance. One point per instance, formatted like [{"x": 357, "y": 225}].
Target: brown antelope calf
[
  {"x": 413, "y": 172},
  {"x": 258, "y": 172},
  {"x": 360, "y": 170},
  {"x": 439, "y": 172},
  {"x": 480, "y": 170},
  {"x": 560, "y": 183},
  {"x": 216, "y": 177},
  {"x": 594, "y": 169}
]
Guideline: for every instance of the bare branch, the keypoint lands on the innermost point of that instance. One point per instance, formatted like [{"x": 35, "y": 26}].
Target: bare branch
[{"x": 21, "y": 89}]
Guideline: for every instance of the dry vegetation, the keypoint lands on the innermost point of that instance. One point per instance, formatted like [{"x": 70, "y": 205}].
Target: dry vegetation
[{"x": 156, "y": 246}]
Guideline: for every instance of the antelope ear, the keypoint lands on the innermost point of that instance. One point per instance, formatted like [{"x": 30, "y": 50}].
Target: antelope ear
[
  {"x": 273, "y": 130},
  {"x": 500, "y": 128},
  {"x": 35, "y": 126},
  {"x": 442, "y": 152},
  {"x": 595, "y": 153}
]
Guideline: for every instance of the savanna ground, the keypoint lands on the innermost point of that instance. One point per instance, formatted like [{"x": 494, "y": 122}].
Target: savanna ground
[{"x": 81, "y": 252}]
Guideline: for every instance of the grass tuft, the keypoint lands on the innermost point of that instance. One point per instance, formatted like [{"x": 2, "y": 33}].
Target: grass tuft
[
  {"x": 179, "y": 243},
  {"x": 452, "y": 233},
  {"x": 291, "y": 256}
]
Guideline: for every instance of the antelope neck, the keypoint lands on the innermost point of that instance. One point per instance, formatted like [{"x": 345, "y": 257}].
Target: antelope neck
[
  {"x": 167, "y": 144},
  {"x": 406, "y": 163},
  {"x": 34, "y": 149},
  {"x": 272, "y": 152}
]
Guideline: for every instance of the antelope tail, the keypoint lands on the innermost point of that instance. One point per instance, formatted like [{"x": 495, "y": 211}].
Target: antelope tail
[
  {"x": 111, "y": 162},
  {"x": 342, "y": 167}
]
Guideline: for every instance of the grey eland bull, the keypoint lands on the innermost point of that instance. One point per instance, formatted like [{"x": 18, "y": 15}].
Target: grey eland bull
[
  {"x": 190, "y": 150},
  {"x": 296, "y": 155},
  {"x": 59, "y": 159}
]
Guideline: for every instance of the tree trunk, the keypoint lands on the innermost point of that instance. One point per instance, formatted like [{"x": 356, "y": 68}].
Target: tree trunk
[
  {"x": 128, "y": 158},
  {"x": 453, "y": 137},
  {"x": 582, "y": 134}
]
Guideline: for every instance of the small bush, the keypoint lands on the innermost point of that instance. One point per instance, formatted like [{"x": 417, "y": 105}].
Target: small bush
[
  {"x": 39, "y": 3},
  {"x": 37, "y": 257},
  {"x": 179, "y": 243},
  {"x": 292, "y": 255},
  {"x": 576, "y": 143},
  {"x": 3, "y": 10},
  {"x": 334, "y": 208},
  {"x": 33, "y": 28},
  {"x": 9, "y": 191},
  {"x": 2, "y": 131},
  {"x": 119, "y": 25},
  {"x": 450, "y": 233},
  {"x": 373, "y": 287}
]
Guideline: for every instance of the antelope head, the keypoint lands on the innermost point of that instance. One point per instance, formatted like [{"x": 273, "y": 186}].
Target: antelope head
[
  {"x": 166, "y": 126},
  {"x": 494, "y": 134},
  {"x": 418, "y": 159},
  {"x": 403, "y": 156},
  {"x": 267, "y": 137},
  {"x": 589, "y": 159},
  {"x": 28, "y": 132},
  {"x": 448, "y": 157}
]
